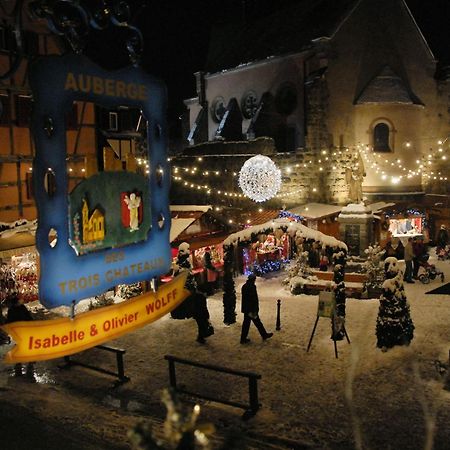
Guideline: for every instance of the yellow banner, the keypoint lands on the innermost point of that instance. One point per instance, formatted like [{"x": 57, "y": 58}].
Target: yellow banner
[{"x": 49, "y": 339}]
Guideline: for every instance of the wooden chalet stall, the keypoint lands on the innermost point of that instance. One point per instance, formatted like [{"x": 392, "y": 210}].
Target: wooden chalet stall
[
  {"x": 400, "y": 221},
  {"x": 18, "y": 261},
  {"x": 319, "y": 216},
  {"x": 203, "y": 229}
]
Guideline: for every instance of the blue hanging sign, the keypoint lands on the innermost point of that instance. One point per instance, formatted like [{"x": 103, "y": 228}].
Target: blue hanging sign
[{"x": 113, "y": 227}]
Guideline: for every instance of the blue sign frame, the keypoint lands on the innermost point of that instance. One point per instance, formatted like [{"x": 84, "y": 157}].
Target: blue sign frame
[{"x": 56, "y": 82}]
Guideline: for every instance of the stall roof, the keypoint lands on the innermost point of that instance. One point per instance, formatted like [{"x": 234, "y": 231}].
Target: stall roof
[
  {"x": 189, "y": 208},
  {"x": 198, "y": 225},
  {"x": 178, "y": 226},
  {"x": 256, "y": 217},
  {"x": 378, "y": 206},
  {"x": 315, "y": 210}
]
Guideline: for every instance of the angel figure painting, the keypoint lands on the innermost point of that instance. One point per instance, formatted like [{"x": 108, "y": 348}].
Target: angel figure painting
[{"x": 133, "y": 202}]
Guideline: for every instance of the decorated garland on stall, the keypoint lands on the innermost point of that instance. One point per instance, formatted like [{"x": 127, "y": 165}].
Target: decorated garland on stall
[{"x": 338, "y": 324}]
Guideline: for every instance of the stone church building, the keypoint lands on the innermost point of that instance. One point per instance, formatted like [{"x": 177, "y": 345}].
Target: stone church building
[{"x": 328, "y": 90}]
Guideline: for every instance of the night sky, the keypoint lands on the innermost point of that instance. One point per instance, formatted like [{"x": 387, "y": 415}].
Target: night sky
[{"x": 176, "y": 36}]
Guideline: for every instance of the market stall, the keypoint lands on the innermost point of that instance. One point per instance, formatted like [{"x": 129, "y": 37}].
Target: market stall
[
  {"x": 406, "y": 223},
  {"x": 204, "y": 231}
]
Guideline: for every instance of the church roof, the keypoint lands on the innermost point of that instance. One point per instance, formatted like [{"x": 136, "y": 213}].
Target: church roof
[
  {"x": 288, "y": 30},
  {"x": 291, "y": 29},
  {"x": 386, "y": 87}
]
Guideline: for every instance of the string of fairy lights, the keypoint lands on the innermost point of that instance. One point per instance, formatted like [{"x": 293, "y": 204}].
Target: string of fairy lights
[
  {"x": 422, "y": 165},
  {"x": 393, "y": 170}
]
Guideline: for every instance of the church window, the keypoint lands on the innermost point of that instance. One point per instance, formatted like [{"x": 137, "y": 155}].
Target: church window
[{"x": 381, "y": 138}]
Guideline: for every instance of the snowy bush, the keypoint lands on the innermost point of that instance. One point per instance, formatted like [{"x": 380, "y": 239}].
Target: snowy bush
[{"x": 374, "y": 268}]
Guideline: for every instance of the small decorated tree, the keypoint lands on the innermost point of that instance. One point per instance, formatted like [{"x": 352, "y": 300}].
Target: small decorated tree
[
  {"x": 299, "y": 272},
  {"x": 229, "y": 288},
  {"x": 394, "y": 323},
  {"x": 374, "y": 269}
]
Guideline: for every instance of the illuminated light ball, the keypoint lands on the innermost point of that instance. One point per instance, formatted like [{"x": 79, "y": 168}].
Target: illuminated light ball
[{"x": 260, "y": 178}]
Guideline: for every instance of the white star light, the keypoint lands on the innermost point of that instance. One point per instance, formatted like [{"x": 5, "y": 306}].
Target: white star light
[{"x": 259, "y": 178}]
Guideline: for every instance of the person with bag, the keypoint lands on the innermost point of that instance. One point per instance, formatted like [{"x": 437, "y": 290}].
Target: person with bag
[{"x": 250, "y": 308}]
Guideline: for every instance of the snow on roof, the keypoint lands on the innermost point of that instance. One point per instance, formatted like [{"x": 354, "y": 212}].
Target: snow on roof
[
  {"x": 356, "y": 211},
  {"x": 177, "y": 226},
  {"x": 315, "y": 210},
  {"x": 19, "y": 226},
  {"x": 378, "y": 206},
  {"x": 356, "y": 208},
  {"x": 202, "y": 208},
  {"x": 293, "y": 228}
]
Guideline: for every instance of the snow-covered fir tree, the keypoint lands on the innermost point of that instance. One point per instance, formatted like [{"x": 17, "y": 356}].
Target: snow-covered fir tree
[
  {"x": 299, "y": 273},
  {"x": 338, "y": 321},
  {"x": 394, "y": 324}
]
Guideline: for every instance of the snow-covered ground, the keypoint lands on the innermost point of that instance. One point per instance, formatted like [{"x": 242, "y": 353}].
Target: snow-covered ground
[{"x": 364, "y": 399}]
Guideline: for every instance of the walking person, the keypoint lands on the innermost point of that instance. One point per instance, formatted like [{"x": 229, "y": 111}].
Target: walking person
[
  {"x": 409, "y": 255},
  {"x": 250, "y": 308}
]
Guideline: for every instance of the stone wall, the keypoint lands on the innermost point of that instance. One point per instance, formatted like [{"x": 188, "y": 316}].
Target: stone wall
[{"x": 307, "y": 176}]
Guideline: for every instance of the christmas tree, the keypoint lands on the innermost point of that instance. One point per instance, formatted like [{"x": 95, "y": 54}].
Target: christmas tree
[
  {"x": 229, "y": 289},
  {"x": 394, "y": 323}
]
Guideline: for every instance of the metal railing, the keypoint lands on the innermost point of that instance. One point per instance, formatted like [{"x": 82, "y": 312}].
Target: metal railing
[
  {"x": 251, "y": 408},
  {"x": 119, "y": 352}
]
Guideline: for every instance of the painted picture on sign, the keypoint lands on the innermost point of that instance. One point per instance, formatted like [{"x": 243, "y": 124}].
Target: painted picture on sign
[
  {"x": 131, "y": 210},
  {"x": 103, "y": 213}
]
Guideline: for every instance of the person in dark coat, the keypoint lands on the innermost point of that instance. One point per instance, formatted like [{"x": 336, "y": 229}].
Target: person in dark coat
[
  {"x": 419, "y": 251},
  {"x": 18, "y": 312},
  {"x": 211, "y": 272},
  {"x": 442, "y": 238},
  {"x": 201, "y": 316},
  {"x": 250, "y": 308}
]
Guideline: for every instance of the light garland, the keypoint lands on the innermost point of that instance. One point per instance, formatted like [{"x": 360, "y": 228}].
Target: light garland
[
  {"x": 260, "y": 178},
  {"x": 386, "y": 169},
  {"x": 383, "y": 166}
]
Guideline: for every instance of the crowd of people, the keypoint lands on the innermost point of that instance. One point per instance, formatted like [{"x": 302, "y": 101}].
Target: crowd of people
[{"x": 415, "y": 252}]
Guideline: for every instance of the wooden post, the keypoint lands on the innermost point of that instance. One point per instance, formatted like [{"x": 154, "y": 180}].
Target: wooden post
[{"x": 172, "y": 375}]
